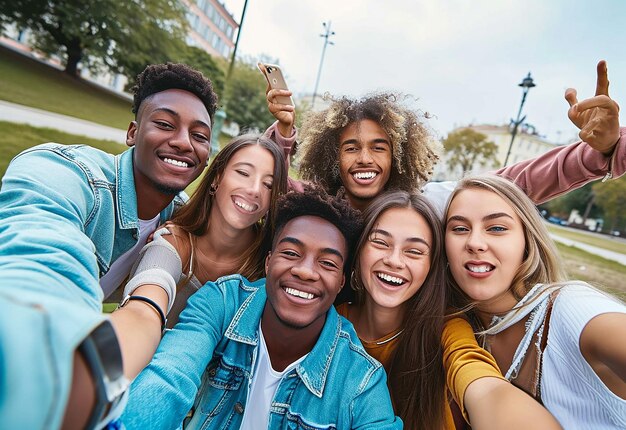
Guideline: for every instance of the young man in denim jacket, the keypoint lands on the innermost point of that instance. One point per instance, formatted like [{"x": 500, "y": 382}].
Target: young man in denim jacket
[
  {"x": 273, "y": 353},
  {"x": 67, "y": 213}
]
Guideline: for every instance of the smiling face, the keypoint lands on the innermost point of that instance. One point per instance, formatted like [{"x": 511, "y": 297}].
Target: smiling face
[
  {"x": 244, "y": 188},
  {"x": 172, "y": 141},
  {"x": 395, "y": 259},
  {"x": 304, "y": 273},
  {"x": 364, "y": 161},
  {"x": 485, "y": 247}
]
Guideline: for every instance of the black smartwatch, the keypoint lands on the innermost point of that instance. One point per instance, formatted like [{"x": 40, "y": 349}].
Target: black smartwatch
[{"x": 102, "y": 353}]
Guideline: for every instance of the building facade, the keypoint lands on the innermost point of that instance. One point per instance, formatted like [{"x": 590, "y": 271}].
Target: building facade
[
  {"x": 211, "y": 27},
  {"x": 528, "y": 144}
]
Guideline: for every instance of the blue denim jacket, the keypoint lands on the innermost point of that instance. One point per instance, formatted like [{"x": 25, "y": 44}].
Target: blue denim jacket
[
  {"x": 205, "y": 365},
  {"x": 66, "y": 212}
]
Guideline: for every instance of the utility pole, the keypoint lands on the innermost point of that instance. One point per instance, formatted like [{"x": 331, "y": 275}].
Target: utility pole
[
  {"x": 220, "y": 114},
  {"x": 328, "y": 33}
]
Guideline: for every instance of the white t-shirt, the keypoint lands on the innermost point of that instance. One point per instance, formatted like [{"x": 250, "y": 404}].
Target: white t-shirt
[
  {"x": 120, "y": 268},
  {"x": 264, "y": 383},
  {"x": 570, "y": 389}
]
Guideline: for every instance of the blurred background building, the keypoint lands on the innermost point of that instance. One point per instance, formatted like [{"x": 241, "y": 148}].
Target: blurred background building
[{"x": 528, "y": 144}]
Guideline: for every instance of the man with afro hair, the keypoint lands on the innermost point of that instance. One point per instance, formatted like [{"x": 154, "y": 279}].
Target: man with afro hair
[
  {"x": 270, "y": 354},
  {"x": 71, "y": 215},
  {"x": 362, "y": 147}
]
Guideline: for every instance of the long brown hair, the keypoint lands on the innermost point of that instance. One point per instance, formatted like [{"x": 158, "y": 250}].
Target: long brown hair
[
  {"x": 194, "y": 217},
  {"x": 416, "y": 376}
]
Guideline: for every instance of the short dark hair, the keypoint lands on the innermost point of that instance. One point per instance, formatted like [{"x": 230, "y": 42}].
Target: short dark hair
[
  {"x": 314, "y": 201},
  {"x": 160, "y": 77}
]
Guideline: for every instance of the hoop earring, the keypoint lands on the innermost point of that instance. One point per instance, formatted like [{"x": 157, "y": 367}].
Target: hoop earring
[
  {"x": 354, "y": 283},
  {"x": 261, "y": 221},
  {"x": 212, "y": 189}
]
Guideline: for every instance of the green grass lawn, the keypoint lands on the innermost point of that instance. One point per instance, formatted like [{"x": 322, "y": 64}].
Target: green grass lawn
[
  {"x": 18, "y": 137},
  {"x": 28, "y": 82},
  {"x": 605, "y": 274},
  {"x": 601, "y": 241}
]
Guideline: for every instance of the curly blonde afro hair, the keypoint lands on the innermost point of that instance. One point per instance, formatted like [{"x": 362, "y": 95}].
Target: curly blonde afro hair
[{"x": 414, "y": 151}]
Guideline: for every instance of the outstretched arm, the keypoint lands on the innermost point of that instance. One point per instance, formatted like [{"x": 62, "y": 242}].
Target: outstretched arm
[
  {"x": 607, "y": 357},
  {"x": 601, "y": 154},
  {"x": 487, "y": 400},
  {"x": 493, "y": 403}
]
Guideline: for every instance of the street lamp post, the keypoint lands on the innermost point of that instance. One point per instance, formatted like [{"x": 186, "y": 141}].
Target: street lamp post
[
  {"x": 526, "y": 85},
  {"x": 326, "y": 35}
]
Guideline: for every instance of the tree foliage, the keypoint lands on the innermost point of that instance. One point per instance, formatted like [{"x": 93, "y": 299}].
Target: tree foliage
[
  {"x": 611, "y": 197},
  {"x": 132, "y": 64},
  {"x": 468, "y": 148},
  {"x": 582, "y": 199},
  {"x": 98, "y": 33},
  {"x": 245, "y": 97}
]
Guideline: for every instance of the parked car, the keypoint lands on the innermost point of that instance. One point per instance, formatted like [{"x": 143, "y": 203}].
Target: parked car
[{"x": 558, "y": 221}]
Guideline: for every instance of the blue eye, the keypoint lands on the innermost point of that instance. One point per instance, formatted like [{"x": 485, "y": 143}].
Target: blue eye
[{"x": 459, "y": 229}]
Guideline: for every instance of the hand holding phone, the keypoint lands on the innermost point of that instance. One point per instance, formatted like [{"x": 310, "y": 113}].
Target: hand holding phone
[{"x": 276, "y": 80}]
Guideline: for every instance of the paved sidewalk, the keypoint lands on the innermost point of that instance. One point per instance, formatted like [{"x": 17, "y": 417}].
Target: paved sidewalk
[
  {"x": 609, "y": 255},
  {"x": 40, "y": 118}
]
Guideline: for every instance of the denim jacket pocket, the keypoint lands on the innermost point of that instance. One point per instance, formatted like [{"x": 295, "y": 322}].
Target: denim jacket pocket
[
  {"x": 222, "y": 381},
  {"x": 297, "y": 422}
]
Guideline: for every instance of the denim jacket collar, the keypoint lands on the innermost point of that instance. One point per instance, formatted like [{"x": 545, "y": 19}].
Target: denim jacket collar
[
  {"x": 126, "y": 196},
  {"x": 313, "y": 370}
]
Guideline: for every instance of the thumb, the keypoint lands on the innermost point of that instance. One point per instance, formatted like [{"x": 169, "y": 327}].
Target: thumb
[{"x": 570, "y": 96}]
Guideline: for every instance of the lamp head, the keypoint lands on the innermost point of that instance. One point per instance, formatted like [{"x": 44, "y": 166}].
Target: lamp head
[{"x": 527, "y": 82}]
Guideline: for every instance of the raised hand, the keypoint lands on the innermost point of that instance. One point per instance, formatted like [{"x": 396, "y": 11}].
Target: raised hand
[
  {"x": 596, "y": 117},
  {"x": 285, "y": 114}
]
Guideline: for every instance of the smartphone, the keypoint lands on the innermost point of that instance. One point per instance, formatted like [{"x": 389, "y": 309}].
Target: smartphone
[{"x": 276, "y": 80}]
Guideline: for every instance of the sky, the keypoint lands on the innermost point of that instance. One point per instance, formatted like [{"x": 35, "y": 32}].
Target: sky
[{"x": 460, "y": 60}]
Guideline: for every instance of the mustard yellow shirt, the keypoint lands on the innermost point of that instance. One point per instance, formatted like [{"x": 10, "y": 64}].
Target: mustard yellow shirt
[{"x": 464, "y": 361}]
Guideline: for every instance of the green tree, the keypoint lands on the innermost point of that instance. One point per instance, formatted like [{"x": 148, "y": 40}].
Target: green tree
[
  {"x": 200, "y": 60},
  {"x": 176, "y": 51},
  {"x": 582, "y": 199},
  {"x": 95, "y": 32},
  {"x": 245, "y": 97},
  {"x": 468, "y": 148},
  {"x": 611, "y": 197}
]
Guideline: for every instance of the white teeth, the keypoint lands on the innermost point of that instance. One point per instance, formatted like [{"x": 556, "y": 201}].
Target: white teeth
[
  {"x": 175, "y": 162},
  {"x": 298, "y": 293},
  {"x": 479, "y": 269},
  {"x": 389, "y": 278},
  {"x": 244, "y": 206},
  {"x": 365, "y": 175}
]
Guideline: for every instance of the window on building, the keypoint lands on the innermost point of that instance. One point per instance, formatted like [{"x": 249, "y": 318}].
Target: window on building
[
  {"x": 210, "y": 11},
  {"x": 229, "y": 32}
]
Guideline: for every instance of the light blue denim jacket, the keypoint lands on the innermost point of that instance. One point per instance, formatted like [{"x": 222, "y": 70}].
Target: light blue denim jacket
[
  {"x": 66, "y": 213},
  {"x": 205, "y": 365}
]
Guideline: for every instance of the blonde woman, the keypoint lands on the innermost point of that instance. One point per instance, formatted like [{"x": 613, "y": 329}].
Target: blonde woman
[{"x": 559, "y": 340}]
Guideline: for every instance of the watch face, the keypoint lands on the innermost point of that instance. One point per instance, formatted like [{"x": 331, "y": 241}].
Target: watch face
[{"x": 101, "y": 351}]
